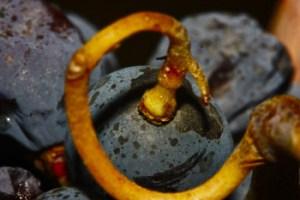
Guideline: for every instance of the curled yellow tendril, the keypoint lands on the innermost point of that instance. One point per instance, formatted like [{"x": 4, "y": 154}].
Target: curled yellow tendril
[{"x": 255, "y": 148}]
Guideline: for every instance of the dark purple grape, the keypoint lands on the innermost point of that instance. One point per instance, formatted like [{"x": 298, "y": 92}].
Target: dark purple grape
[
  {"x": 36, "y": 44},
  {"x": 172, "y": 157},
  {"x": 18, "y": 184}
]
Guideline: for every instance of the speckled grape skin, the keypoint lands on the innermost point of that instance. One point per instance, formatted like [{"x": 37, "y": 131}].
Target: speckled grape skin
[
  {"x": 63, "y": 193},
  {"x": 172, "y": 157},
  {"x": 36, "y": 44}
]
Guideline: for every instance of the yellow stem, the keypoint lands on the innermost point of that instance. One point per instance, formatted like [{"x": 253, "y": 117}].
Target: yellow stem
[
  {"x": 170, "y": 78},
  {"x": 171, "y": 75}
]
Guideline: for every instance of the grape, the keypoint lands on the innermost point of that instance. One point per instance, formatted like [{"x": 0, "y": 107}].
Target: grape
[
  {"x": 18, "y": 184},
  {"x": 36, "y": 44}
]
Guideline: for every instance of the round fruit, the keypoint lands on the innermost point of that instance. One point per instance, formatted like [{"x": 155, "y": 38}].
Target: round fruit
[{"x": 172, "y": 157}]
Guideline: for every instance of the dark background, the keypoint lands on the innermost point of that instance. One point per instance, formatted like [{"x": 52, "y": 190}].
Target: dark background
[{"x": 136, "y": 50}]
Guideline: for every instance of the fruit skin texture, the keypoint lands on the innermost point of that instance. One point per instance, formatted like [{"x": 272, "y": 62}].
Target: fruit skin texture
[
  {"x": 34, "y": 53},
  {"x": 63, "y": 193},
  {"x": 171, "y": 157},
  {"x": 36, "y": 43},
  {"x": 17, "y": 184}
]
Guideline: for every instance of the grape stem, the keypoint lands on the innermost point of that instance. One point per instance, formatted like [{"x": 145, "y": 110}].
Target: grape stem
[{"x": 158, "y": 104}]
